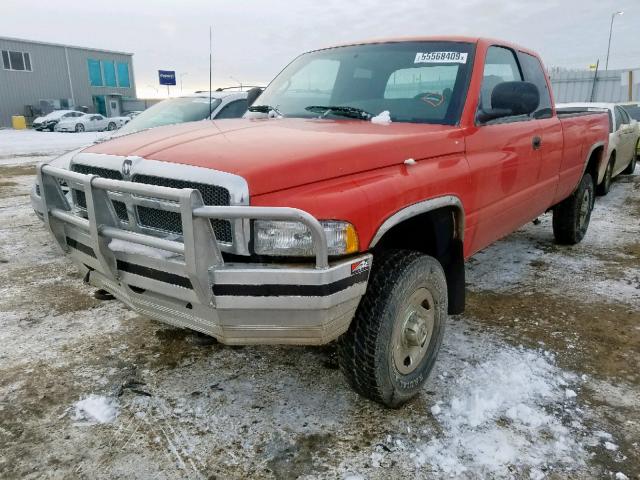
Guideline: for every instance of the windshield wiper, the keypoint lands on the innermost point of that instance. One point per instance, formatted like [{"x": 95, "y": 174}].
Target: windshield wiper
[
  {"x": 265, "y": 109},
  {"x": 341, "y": 110}
]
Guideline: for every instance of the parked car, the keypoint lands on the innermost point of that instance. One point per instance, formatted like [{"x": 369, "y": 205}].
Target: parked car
[
  {"x": 343, "y": 211},
  {"x": 89, "y": 122},
  {"x": 189, "y": 108},
  {"x": 633, "y": 110},
  {"x": 624, "y": 140},
  {"x": 49, "y": 121},
  {"x": 120, "y": 121}
]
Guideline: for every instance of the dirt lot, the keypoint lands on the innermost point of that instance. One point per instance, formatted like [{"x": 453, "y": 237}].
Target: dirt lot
[{"x": 539, "y": 379}]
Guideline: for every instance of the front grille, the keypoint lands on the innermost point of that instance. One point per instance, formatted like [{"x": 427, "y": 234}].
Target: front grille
[
  {"x": 170, "y": 221},
  {"x": 162, "y": 220},
  {"x": 81, "y": 200}
]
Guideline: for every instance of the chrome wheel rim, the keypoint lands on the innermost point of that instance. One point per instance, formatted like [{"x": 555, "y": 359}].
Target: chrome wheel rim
[
  {"x": 584, "y": 208},
  {"x": 413, "y": 331}
]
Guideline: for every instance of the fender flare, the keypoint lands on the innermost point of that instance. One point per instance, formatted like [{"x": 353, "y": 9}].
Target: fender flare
[
  {"x": 420, "y": 208},
  {"x": 603, "y": 160}
]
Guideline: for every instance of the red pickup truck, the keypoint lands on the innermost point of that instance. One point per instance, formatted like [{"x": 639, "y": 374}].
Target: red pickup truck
[{"x": 342, "y": 207}]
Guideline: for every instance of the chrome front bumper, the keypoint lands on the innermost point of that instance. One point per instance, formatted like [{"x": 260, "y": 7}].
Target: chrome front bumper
[{"x": 187, "y": 283}]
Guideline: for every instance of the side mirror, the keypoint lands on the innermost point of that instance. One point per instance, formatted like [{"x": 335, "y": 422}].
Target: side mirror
[
  {"x": 252, "y": 95},
  {"x": 511, "y": 98}
]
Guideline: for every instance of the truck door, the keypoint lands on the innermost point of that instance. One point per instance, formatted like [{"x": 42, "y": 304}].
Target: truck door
[
  {"x": 549, "y": 151},
  {"x": 503, "y": 160}
]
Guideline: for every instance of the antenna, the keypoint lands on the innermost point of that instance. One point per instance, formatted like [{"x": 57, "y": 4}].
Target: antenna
[{"x": 210, "y": 112}]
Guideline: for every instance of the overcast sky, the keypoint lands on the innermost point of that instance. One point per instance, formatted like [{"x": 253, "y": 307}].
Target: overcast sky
[{"x": 254, "y": 39}]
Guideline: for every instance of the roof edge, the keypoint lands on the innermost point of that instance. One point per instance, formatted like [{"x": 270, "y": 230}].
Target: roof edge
[{"x": 52, "y": 44}]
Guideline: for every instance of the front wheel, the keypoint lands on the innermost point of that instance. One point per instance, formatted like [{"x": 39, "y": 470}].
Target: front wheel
[
  {"x": 394, "y": 338},
  {"x": 632, "y": 165},
  {"x": 605, "y": 186},
  {"x": 79, "y": 127},
  {"x": 571, "y": 216},
  {"x": 111, "y": 126}
]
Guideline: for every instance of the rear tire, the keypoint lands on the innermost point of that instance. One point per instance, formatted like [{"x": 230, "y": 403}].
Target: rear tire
[
  {"x": 79, "y": 127},
  {"x": 632, "y": 165},
  {"x": 394, "y": 338},
  {"x": 571, "y": 216},
  {"x": 605, "y": 186}
]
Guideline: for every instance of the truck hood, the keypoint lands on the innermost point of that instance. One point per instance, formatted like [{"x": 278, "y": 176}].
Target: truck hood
[{"x": 276, "y": 154}]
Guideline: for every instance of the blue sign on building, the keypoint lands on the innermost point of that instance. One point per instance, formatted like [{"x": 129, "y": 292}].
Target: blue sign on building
[{"x": 167, "y": 77}]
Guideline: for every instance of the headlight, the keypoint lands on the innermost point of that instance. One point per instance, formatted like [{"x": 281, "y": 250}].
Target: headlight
[{"x": 293, "y": 239}]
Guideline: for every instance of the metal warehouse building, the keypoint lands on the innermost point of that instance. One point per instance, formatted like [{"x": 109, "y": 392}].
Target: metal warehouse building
[{"x": 37, "y": 78}]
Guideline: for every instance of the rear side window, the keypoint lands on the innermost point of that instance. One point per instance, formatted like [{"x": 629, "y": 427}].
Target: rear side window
[
  {"x": 619, "y": 119},
  {"x": 233, "y": 109},
  {"x": 625, "y": 116},
  {"x": 500, "y": 66},
  {"x": 534, "y": 73}
]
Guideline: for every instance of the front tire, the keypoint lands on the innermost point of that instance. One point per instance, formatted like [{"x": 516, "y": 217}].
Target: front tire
[
  {"x": 79, "y": 127},
  {"x": 605, "y": 186},
  {"x": 571, "y": 216},
  {"x": 632, "y": 165},
  {"x": 394, "y": 338},
  {"x": 111, "y": 127}
]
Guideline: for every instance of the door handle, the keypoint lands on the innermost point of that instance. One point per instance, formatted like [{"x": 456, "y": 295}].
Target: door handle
[{"x": 536, "y": 142}]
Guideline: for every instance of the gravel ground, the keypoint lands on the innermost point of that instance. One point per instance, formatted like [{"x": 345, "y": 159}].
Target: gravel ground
[{"x": 538, "y": 379}]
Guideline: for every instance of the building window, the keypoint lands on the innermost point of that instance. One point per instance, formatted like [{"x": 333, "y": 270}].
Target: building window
[
  {"x": 95, "y": 73},
  {"x": 123, "y": 75},
  {"x": 109, "y": 70},
  {"x": 19, "y": 61}
]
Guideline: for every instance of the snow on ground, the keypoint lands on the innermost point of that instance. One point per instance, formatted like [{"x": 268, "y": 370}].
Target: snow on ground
[
  {"x": 539, "y": 378},
  {"x": 16, "y": 143},
  {"x": 96, "y": 409}
]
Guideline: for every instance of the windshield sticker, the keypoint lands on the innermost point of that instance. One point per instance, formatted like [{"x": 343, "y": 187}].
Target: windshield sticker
[{"x": 441, "y": 57}]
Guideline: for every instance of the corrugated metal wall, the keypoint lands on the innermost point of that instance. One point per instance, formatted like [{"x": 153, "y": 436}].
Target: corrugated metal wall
[
  {"x": 610, "y": 86},
  {"x": 49, "y": 78}
]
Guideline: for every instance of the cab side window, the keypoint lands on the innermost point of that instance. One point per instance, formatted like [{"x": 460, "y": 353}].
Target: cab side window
[
  {"x": 500, "y": 65},
  {"x": 534, "y": 73}
]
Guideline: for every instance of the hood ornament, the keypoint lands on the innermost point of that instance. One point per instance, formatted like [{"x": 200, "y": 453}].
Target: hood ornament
[{"x": 126, "y": 168}]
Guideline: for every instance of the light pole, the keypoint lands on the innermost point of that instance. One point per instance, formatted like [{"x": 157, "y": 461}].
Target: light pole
[
  {"x": 182, "y": 75},
  {"x": 237, "y": 81},
  {"x": 613, "y": 16}
]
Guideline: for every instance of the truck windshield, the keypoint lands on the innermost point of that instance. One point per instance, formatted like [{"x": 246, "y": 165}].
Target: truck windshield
[
  {"x": 417, "y": 82},
  {"x": 171, "y": 111}
]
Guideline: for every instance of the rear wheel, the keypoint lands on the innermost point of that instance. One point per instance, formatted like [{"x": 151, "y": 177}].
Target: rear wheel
[
  {"x": 605, "y": 186},
  {"x": 394, "y": 338},
  {"x": 571, "y": 216},
  {"x": 79, "y": 127}
]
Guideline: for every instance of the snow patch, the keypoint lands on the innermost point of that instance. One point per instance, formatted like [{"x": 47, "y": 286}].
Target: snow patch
[
  {"x": 610, "y": 446},
  {"x": 621, "y": 476},
  {"x": 96, "y": 409},
  {"x": 382, "y": 118},
  {"x": 499, "y": 418},
  {"x": 123, "y": 246}
]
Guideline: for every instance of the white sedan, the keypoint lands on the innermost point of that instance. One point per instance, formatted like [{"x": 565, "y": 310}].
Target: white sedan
[
  {"x": 624, "y": 140},
  {"x": 91, "y": 122}
]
